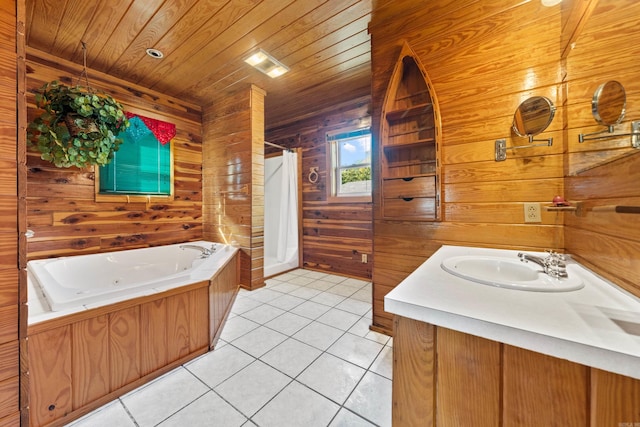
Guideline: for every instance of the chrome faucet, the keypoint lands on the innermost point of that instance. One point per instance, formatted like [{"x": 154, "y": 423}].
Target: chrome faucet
[
  {"x": 553, "y": 264},
  {"x": 204, "y": 251}
]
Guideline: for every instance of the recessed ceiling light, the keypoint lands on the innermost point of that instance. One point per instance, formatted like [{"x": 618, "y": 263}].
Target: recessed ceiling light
[
  {"x": 267, "y": 64},
  {"x": 155, "y": 53},
  {"x": 550, "y": 2}
]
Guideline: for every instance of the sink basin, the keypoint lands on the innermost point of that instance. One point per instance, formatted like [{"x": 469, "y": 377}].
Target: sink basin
[{"x": 508, "y": 273}]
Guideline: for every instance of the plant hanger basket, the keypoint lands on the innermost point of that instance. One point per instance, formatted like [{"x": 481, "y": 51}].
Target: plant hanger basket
[{"x": 78, "y": 127}]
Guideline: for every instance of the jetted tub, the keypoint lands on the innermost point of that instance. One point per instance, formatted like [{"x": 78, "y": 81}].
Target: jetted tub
[
  {"x": 121, "y": 319},
  {"x": 84, "y": 280}
]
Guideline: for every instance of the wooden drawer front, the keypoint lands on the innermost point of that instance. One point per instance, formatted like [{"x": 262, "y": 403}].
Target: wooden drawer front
[
  {"x": 416, "y": 207},
  {"x": 414, "y": 187}
]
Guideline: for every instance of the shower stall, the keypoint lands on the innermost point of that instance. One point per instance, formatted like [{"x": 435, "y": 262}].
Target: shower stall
[{"x": 281, "y": 213}]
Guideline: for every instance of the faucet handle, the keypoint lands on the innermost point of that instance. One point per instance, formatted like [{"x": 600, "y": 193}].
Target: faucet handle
[
  {"x": 555, "y": 264},
  {"x": 554, "y": 256}
]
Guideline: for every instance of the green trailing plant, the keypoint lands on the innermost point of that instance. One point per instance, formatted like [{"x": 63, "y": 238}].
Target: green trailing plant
[{"x": 78, "y": 126}]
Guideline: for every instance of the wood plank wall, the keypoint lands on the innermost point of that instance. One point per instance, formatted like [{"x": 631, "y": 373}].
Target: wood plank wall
[
  {"x": 335, "y": 235},
  {"x": 233, "y": 183},
  {"x": 607, "y": 172},
  {"x": 11, "y": 202},
  {"x": 61, "y": 207},
  {"x": 483, "y": 58}
]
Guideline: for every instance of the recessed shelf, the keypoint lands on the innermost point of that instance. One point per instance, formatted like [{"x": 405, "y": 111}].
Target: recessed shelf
[
  {"x": 408, "y": 177},
  {"x": 414, "y": 162},
  {"x": 419, "y": 143},
  {"x": 414, "y": 110},
  {"x": 414, "y": 95},
  {"x": 410, "y": 131},
  {"x": 409, "y": 155}
]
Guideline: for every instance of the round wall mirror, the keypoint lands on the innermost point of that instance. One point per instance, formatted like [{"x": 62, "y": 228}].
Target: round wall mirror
[
  {"x": 533, "y": 116},
  {"x": 609, "y": 103}
]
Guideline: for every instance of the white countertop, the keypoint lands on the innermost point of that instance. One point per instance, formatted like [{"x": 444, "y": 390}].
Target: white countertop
[{"x": 598, "y": 325}]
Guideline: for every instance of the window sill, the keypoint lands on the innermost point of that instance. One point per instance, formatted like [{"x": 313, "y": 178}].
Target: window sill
[{"x": 132, "y": 198}]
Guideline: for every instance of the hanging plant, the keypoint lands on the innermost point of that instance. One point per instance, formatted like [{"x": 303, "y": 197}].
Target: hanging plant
[{"x": 78, "y": 126}]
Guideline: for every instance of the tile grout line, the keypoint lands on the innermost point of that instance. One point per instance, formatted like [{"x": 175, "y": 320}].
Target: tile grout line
[{"x": 322, "y": 352}]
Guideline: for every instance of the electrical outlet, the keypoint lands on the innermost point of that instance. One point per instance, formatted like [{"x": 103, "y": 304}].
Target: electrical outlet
[
  {"x": 364, "y": 258},
  {"x": 532, "y": 212}
]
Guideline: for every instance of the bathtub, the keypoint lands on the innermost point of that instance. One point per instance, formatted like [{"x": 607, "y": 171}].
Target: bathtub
[
  {"x": 122, "y": 319},
  {"x": 87, "y": 281}
]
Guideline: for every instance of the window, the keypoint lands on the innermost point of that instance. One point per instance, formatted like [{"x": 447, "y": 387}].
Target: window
[
  {"x": 143, "y": 164},
  {"x": 350, "y": 157}
]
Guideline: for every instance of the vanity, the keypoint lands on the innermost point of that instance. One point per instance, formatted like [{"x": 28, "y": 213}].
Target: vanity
[{"x": 483, "y": 338}]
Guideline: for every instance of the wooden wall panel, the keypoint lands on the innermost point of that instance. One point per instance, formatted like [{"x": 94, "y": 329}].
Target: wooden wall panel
[
  {"x": 62, "y": 210},
  {"x": 467, "y": 366},
  {"x": 50, "y": 364},
  {"x": 8, "y": 360},
  {"x": 614, "y": 399},
  {"x": 11, "y": 299},
  {"x": 559, "y": 397},
  {"x": 153, "y": 335},
  {"x": 99, "y": 354},
  {"x": 465, "y": 53},
  {"x": 444, "y": 377},
  {"x": 13, "y": 420},
  {"x": 124, "y": 351},
  {"x": 257, "y": 187},
  {"x": 414, "y": 367},
  {"x": 178, "y": 328},
  {"x": 198, "y": 319},
  {"x": 9, "y": 400},
  {"x": 233, "y": 177},
  {"x": 90, "y": 356},
  {"x": 222, "y": 292},
  {"x": 605, "y": 172},
  {"x": 335, "y": 235},
  {"x": 483, "y": 61}
]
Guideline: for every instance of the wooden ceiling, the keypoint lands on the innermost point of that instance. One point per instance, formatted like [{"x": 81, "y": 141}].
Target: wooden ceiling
[{"x": 324, "y": 42}]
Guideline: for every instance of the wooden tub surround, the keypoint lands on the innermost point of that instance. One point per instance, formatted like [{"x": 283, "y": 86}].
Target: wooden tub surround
[
  {"x": 469, "y": 354},
  {"x": 80, "y": 361}
]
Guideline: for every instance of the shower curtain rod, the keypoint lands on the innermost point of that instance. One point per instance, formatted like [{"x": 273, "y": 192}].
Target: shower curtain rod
[{"x": 277, "y": 146}]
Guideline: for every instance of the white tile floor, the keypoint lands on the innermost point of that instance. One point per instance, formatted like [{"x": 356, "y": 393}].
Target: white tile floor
[{"x": 297, "y": 352}]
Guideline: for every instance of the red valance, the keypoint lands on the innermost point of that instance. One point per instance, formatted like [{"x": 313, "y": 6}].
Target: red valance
[{"x": 163, "y": 131}]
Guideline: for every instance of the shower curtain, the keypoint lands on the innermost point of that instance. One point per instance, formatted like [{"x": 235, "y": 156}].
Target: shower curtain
[{"x": 281, "y": 251}]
